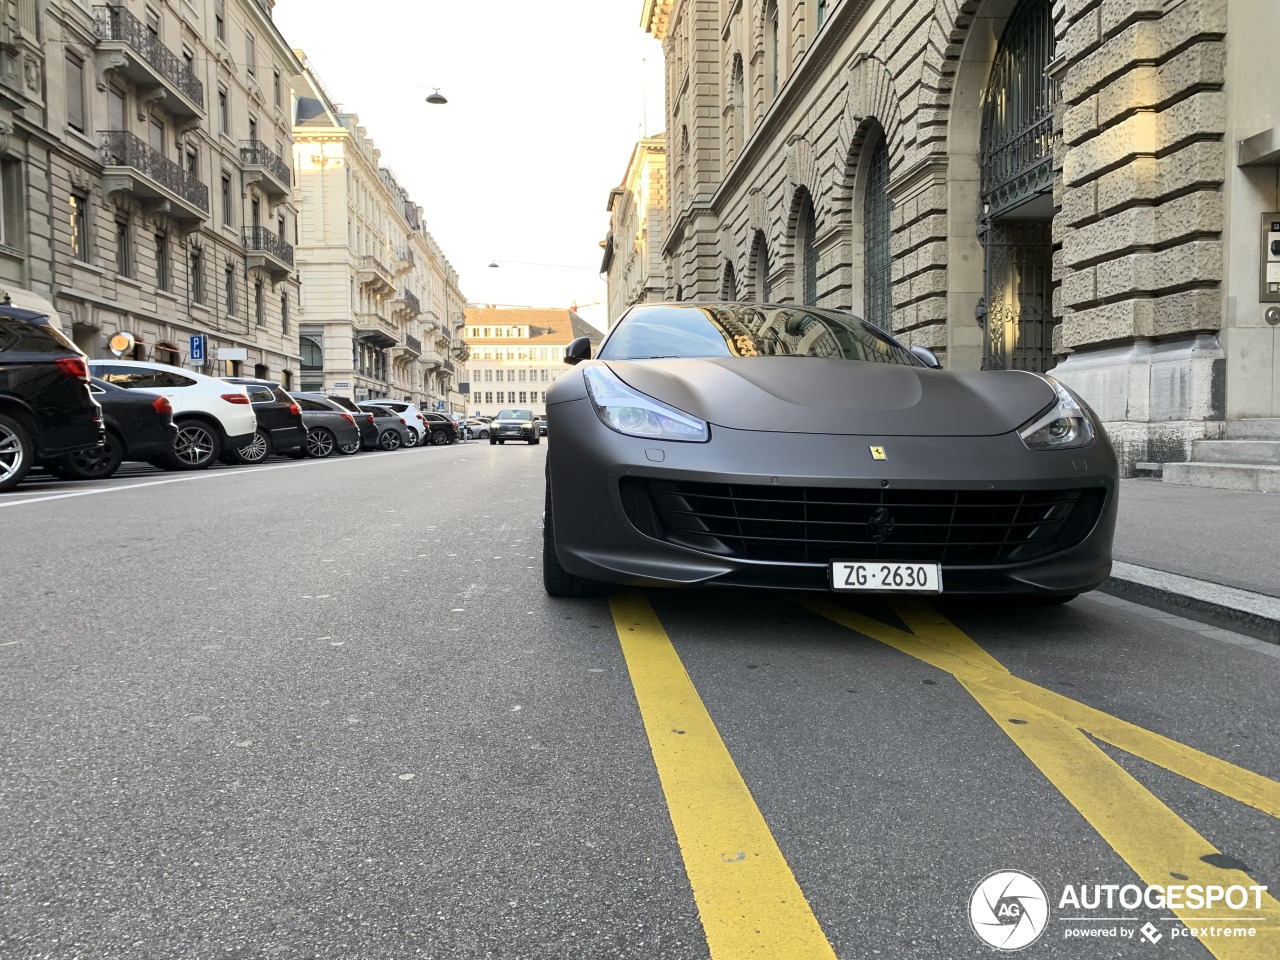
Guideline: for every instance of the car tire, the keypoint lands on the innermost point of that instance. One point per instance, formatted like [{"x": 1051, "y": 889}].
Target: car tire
[
  {"x": 321, "y": 443},
  {"x": 389, "y": 440},
  {"x": 347, "y": 449},
  {"x": 255, "y": 451},
  {"x": 501, "y": 442},
  {"x": 98, "y": 463},
  {"x": 483, "y": 435},
  {"x": 438, "y": 437},
  {"x": 197, "y": 446},
  {"x": 413, "y": 438},
  {"x": 492, "y": 442},
  {"x": 555, "y": 580},
  {"x": 17, "y": 452}
]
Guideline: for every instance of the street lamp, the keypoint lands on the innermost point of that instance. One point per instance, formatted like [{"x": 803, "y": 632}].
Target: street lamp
[
  {"x": 554, "y": 266},
  {"x": 437, "y": 97}
]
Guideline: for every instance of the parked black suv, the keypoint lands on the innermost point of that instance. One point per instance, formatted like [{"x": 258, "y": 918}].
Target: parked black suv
[
  {"x": 280, "y": 426},
  {"x": 46, "y": 409}
]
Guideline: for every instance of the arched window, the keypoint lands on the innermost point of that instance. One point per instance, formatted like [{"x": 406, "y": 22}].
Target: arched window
[
  {"x": 772, "y": 42},
  {"x": 822, "y": 12},
  {"x": 806, "y": 280},
  {"x": 729, "y": 284},
  {"x": 312, "y": 351},
  {"x": 877, "y": 253},
  {"x": 760, "y": 268}
]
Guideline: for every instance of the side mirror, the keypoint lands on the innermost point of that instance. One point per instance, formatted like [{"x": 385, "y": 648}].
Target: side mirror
[
  {"x": 925, "y": 356},
  {"x": 578, "y": 350}
]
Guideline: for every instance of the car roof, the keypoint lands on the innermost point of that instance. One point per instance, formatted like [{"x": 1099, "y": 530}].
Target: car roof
[{"x": 18, "y": 313}]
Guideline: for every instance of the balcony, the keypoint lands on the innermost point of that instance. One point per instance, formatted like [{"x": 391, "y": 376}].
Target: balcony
[
  {"x": 131, "y": 166},
  {"x": 126, "y": 46},
  {"x": 268, "y": 252},
  {"x": 266, "y": 169},
  {"x": 406, "y": 303},
  {"x": 410, "y": 348},
  {"x": 374, "y": 274},
  {"x": 375, "y": 330},
  {"x": 404, "y": 260}
]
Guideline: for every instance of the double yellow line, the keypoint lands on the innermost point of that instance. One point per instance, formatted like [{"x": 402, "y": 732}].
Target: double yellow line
[{"x": 748, "y": 899}]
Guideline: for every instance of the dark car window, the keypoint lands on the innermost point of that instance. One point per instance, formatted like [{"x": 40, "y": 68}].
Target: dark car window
[
  {"x": 515, "y": 415},
  {"x": 20, "y": 336},
  {"x": 308, "y": 403},
  {"x": 280, "y": 395},
  {"x": 258, "y": 393},
  {"x": 346, "y": 402},
  {"x": 748, "y": 331},
  {"x": 140, "y": 378}
]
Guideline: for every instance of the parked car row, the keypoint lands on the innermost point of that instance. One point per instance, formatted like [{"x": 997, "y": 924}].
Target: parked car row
[{"x": 81, "y": 419}]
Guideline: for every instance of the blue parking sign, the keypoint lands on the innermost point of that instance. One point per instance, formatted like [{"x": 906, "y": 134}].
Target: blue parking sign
[{"x": 197, "y": 347}]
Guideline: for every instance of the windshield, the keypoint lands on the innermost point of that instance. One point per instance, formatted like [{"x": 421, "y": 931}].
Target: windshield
[
  {"x": 737, "y": 330},
  {"x": 515, "y": 415}
]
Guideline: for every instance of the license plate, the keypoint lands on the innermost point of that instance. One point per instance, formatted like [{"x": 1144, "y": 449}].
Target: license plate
[{"x": 879, "y": 577}]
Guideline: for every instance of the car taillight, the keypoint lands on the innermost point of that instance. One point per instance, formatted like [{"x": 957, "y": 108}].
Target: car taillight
[
  {"x": 236, "y": 398},
  {"x": 369, "y": 418},
  {"x": 75, "y": 367},
  {"x": 402, "y": 421},
  {"x": 295, "y": 409},
  {"x": 162, "y": 405},
  {"x": 349, "y": 418},
  {"x": 421, "y": 417}
]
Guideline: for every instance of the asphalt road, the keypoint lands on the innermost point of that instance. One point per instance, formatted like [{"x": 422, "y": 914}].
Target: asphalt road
[{"x": 324, "y": 709}]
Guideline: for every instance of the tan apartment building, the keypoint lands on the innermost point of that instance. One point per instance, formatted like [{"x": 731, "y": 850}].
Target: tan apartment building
[
  {"x": 516, "y": 353},
  {"x": 148, "y": 183},
  {"x": 382, "y": 308},
  {"x": 632, "y": 262},
  {"x": 1083, "y": 186}
]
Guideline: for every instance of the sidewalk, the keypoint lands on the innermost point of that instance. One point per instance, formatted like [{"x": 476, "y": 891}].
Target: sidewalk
[{"x": 1206, "y": 554}]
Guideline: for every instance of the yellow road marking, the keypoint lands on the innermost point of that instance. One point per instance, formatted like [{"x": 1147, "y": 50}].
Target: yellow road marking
[
  {"x": 747, "y": 896},
  {"x": 1051, "y": 731}
]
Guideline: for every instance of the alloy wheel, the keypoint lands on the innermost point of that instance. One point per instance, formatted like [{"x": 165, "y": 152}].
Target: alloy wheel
[
  {"x": 255, "y": 451},
  {"x": 195, "y": 445},
  {"x": 320, "y": 443},
  {"x": 390, "y": 440},
  {"x": 15, "y": 456},
  {"x": 438, "y": 437}
]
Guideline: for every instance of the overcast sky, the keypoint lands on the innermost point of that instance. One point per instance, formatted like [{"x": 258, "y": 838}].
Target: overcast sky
[{"x": 545, "y": 104}]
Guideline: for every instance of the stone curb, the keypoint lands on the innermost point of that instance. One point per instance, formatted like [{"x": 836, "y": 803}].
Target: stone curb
[{"x": 1253, "y": 614}]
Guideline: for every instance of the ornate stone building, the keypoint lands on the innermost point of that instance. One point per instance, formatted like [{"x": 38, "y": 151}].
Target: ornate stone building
[
  {"x": 383, "y": 313},
  {"x": 632, "y": 260},
  {"x": 152, "y": 193},
  {"x": 1070, "y": 185}
]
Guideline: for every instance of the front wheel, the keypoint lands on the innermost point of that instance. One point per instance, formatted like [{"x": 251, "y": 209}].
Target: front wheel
[
  {"x": 321, "y": 443},
  {"x": 555, "y": 580},
  {"x": 197, "y": 446},
  {"x": 16, "y": 452},
  {"x": 96, "y": 463}
]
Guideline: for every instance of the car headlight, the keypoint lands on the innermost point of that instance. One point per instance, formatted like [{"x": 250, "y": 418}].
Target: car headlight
[
  {"x": 633, "y": 413},
  {"x": 1065, "y": 425}
]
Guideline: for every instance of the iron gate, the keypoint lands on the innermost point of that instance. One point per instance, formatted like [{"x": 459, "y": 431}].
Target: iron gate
[{"x": 1019, "y": 281}]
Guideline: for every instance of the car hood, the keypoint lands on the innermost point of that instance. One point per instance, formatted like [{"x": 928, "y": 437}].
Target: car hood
[{"x": 815, "y": 395}]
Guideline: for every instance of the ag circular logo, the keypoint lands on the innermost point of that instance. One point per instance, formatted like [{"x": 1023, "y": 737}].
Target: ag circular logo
[{"x": 1009, "y": 910}]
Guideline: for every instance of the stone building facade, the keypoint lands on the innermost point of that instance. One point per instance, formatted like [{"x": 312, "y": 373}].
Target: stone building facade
[
  {"x": 1078, "y": 186},
  {"x": 632, "y": 262},
  {"x": 154, "y": 185},
  {"x": 383, "y": 311},
  {"x": 516, "y": 353}
]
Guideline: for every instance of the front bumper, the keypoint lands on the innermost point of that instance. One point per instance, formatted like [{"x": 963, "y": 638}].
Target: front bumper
[{"x": 600, "y": 538}]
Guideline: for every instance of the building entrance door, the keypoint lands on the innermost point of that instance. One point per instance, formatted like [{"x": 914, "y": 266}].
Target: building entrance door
[{"x": 1017, "y": 194}]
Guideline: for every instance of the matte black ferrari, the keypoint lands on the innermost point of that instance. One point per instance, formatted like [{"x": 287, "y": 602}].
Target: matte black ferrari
[{"x": 795, "y": 447}]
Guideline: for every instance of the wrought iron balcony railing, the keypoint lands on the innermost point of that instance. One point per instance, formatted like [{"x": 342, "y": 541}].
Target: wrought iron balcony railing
[
  {"x": 122, "y": 149},
  {"x": 414, "y": 344},
  {"x": 257, "y": 153},
  {"x": 117, "y": 23},
  {"x": 411, "y": 300},
  {"x": 262, "y": 240}
]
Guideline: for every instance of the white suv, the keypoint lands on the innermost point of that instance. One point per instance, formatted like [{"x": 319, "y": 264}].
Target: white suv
[
  {"x": 211, "y": 415},
  {"x": 409, "y": 412}
]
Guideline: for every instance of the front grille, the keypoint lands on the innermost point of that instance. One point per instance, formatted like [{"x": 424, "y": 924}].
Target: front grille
[{"x": 820, "y": 524}]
